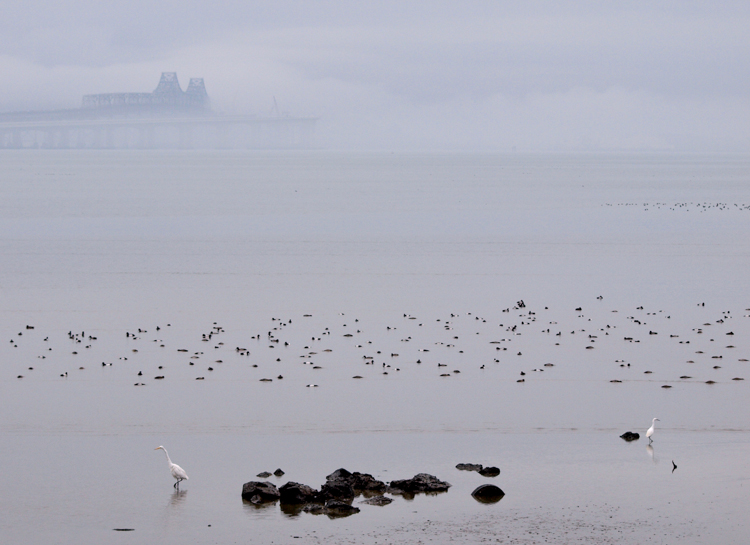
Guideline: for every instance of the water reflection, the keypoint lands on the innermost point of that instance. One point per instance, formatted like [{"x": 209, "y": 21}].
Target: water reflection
[
  {"x": 409, "y": 496},
  {"x": 262, "y": 509},
  {"x": 488, "y": 499},
  {"x": 292, "y": 510},
  {"x": 650, "y": 451},
  {"x": 177, "y": 499}
]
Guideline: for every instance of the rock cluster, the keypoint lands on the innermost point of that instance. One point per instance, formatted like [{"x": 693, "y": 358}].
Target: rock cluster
[
  {"x": 335, "y": 496},
  {"x": 630, "y": 436}
]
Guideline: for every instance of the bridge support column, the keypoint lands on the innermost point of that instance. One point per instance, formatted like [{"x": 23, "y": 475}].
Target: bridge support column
[
  {"x": 146, "y": 137},
  {"x": 64, "y": 142},
  {"x": 223, "y": 136},
  {"x": 110, "y": 138},
  {"x": 16, "y": 139},
  {"x": 48, "y": 141},
  {"x": 98, "y": 142},
  {"x": 186, "y": 136}
]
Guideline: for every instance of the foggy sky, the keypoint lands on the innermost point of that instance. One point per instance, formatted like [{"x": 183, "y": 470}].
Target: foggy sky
[{"x": 400, "y": 75}]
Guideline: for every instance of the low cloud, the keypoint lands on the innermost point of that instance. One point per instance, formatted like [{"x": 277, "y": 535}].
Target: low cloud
[{"x": 531, "y": 76}]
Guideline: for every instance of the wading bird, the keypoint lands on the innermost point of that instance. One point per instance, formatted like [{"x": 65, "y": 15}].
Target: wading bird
[
  {"x": 650, "y": 431},
  {"x": 176, "y": 471}
]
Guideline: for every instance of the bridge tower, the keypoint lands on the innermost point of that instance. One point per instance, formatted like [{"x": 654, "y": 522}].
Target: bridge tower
[
  {"x": 168, "y": 84},
  {"x": 196, "y": 92}
]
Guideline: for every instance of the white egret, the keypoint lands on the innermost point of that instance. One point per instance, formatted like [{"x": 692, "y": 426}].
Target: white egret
[
  {"x": 650, "y": 431},
  {"x": 176, "y": 471}
]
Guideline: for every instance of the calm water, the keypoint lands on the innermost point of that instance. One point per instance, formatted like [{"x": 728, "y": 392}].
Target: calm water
[{"x": 398, "y": 258}]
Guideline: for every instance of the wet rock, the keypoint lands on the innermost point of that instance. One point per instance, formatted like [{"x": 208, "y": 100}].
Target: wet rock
[
  {"x": 630, "y": 436},
  {"x": 489, "y": 472},
  {"x": 421, "y": 482},
  {"x": 488, "y": 493},
  {"x": 363, "y": 482},
  {"x": 257, "y": 492},
  {"x": 296, "y": 493},
  {"x": 332, "y": 508},
  {"x": 378, "y": 500},
  {"x": 335, "y": 508},
  {"x": 278, "y": 472},
  {"x": 335, "y": 490},
  {"x": 469, "y": 467},
  {"x": 367, "y": 483},
  {"x": 264, "y": 474},
  {"x": 340, "y": 474}
]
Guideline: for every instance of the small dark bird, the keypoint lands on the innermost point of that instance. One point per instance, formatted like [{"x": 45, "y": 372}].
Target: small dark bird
[{"x": 674, "y": 466}]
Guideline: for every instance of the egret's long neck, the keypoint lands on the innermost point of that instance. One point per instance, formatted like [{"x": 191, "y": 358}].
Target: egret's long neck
[{"x": 167, "y": 455}]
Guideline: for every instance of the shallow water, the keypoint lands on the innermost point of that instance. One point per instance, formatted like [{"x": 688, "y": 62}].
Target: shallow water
[{"x": 104, "y": 243}]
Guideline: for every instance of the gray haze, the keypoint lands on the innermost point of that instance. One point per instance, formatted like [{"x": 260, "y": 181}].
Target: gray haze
[{"x": 484, "y": 75}]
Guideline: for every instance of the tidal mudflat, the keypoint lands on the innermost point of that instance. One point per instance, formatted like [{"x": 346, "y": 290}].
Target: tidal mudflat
[{"x": 390, "y": 315}]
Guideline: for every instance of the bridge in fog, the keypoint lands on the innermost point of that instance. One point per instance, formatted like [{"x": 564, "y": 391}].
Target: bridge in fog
[{"x": 167, "y": 118}]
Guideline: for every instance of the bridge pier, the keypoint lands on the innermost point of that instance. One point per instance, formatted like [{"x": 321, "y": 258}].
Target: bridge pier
[
  {"x": 109, "y": 142},
  {"x": 186, "y": 136},
  {"x": 48, "y": 139},
  {"x": 80, "y": 139},
  {"x": 223, "y": 137},
  {"x": 146, "y": 137},
  {"x": 64, "y": 142}
]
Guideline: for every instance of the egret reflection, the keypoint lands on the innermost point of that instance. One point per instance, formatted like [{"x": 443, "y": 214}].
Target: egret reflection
[
  {"x": 650, "y": 451},
  {"x": 177, "y": 498}
]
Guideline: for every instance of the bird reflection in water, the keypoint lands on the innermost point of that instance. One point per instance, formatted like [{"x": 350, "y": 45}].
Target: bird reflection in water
[
  {"x": 177, "y": 498},
  {"x": 650, "y": 451}
]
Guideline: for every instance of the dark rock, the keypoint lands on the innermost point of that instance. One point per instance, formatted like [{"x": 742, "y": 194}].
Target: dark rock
[
  {"x": 264, "y": 474},
  {"x": 314, "y": 509},
  {"x": 335, "y": 508},
  {"x": 489, "y": 472},
  {"x": 332, "y": 508},
  {"x": 367, "y": 483},
  {"x": 630, "y": 436},
  {"x": 420, "y": 483},
  {"x": 378, "y": 500},
  {"x": 257, "y": 492},
  {"x": 296, "y": 493},
  {"x": 363, "y": 482},
  {"x": 469, "y": 467},
  {"x": 340, "y": 474},
  {"x": 488, "y": 493},
  {"x": 278, "y": 472},
  {"x": 335, "y": 490}
]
